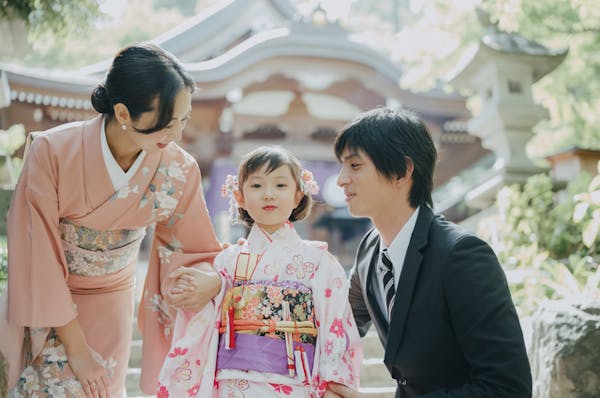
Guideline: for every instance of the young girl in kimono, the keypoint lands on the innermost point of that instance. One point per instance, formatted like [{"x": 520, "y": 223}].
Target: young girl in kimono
[
  {"x": 86, "y": 194},
  {"x": 281, "y": 325}
]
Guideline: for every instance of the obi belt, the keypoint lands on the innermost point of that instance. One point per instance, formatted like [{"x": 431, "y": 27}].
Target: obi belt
[{"x": 268, "y": 326}]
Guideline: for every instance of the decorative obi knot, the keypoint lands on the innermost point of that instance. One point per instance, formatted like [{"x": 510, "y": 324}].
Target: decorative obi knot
[
  {"x": 268, "y": 326},
  {"x": 258, "y": 308}
]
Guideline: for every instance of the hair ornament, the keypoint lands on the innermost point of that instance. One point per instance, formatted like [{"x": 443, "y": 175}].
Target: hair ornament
[{"x": 308, "y": 184}]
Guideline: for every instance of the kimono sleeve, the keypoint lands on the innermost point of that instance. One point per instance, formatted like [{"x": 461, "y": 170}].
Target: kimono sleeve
[
  {"x": 38, "y": 294},
  {"x": 339, "y": 348},
  {"x": 186, "y": 238},
  {"x": 193, "y": 351}
]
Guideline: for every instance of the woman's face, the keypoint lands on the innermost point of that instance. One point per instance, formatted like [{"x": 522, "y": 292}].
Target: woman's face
[{"x": 159, "y": 140}]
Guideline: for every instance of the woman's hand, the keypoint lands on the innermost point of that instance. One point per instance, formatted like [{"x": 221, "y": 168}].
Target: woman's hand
[
  {"x": 85, "y": 363},
  {"x": 194, "y": 286},
  {"x": 88, "y": 369}
]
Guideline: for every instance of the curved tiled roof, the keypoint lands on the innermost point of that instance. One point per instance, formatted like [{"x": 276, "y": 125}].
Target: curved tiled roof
[{"x": 289, "y": 39}]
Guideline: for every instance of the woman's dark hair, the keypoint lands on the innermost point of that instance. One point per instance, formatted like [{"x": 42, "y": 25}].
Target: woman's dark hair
[
  {"x": 274, "y": 157},
  {"x": 392, "y": 138},
  {"x": 140, "y": 75}
]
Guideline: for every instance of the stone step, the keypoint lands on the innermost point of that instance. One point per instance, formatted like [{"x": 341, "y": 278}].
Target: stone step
[
  {"x": 136, "y": 334},
  {"x": 371, "y": 345},
  {"x": 135, "y": 356},
  {"x": 132, "y": 382},
  {"x": 373, "y": 373}
]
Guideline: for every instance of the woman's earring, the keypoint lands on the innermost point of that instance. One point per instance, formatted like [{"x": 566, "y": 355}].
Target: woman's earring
[{"x": 123, "y": 127}]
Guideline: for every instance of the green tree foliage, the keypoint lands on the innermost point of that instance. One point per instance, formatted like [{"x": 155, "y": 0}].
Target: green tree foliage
[
  {"x": 139, "y": 22},
  {"x": 587, "y": 212},
  {"x": 55, "y": 17},
  {"x": 544, "y": 240},
  {"x": 433, "y": 34},
  {"x": 570, "y": 92}
]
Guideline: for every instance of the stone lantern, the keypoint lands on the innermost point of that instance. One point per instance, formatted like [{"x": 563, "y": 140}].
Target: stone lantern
[{"x": 500, "y": 70}]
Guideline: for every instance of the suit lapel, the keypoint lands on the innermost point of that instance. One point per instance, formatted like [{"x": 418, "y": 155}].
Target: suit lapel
[
  {"x": 407, "y": 282},
  {"x": 371, "y": 286}
]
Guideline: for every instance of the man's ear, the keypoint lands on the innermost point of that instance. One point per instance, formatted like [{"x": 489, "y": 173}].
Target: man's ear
[
  {"x": 239, "y": 198},
  {"x": 121, "y": 113},
  {"x": 410, "y": 167}
]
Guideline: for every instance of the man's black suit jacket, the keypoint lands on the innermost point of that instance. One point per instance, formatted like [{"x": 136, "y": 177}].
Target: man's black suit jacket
[{"x": 454, "y": 330}]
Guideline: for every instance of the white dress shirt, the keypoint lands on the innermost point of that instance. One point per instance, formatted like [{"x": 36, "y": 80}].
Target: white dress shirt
[{"x": 396, "y": 252}]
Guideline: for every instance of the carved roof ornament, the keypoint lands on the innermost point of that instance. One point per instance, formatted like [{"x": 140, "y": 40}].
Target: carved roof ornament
[
  {"x": 496, "y": 44},
  {"x": 511, "y": 42}
]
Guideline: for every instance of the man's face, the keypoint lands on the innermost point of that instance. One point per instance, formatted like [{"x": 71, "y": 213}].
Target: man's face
[{"x": 368, "y": 193}]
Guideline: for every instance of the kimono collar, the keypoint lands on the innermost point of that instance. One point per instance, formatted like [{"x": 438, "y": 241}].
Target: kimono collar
[{"x": 259, "y": 240}]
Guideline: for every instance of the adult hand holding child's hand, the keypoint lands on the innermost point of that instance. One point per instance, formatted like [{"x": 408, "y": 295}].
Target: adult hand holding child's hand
[{"x": 194, "y": 286}]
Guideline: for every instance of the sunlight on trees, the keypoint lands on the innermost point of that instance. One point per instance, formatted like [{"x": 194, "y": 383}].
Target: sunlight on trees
[
  {"x": 571, "y": 92},
  {"x": 425, "y": 37}
]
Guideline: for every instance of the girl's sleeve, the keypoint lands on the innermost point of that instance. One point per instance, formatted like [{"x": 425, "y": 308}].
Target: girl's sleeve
[
  {"x": 37, "y": 278},
  {"x": 339, "y": 348},
  {"x": 186, "y": 238},
  {"x": 189, "y": 368}
]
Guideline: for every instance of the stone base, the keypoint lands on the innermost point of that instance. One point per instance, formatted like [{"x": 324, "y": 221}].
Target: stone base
[{"x": 565, "y": 356}]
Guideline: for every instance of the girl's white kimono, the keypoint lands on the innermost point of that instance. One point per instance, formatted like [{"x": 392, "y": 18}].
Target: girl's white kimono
[
  {"x": 72, "y": 250},
  {"x": 261, "y": 276}
]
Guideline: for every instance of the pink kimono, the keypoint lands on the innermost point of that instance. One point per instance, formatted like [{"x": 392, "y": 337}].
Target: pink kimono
[
  {"x": 73, "y": 245},
  {"x": 281, "y": 326}
]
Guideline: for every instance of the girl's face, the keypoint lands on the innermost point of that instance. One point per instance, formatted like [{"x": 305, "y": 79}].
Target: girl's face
[
  {"x": 159, "y": 140},
  {"x": 269, "y": 198}
]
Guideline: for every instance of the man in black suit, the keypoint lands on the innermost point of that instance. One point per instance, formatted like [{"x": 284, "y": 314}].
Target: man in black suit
[{"x": 436, "y": 294}]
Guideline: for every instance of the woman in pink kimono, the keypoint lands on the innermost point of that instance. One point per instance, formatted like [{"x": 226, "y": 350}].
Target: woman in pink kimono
[
  {"x": 282, "y": 325},
  {"x": 86, "y": 194}
]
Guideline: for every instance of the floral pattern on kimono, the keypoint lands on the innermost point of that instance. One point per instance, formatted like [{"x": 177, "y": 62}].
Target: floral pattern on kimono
[
  {"x": 64, "y": 196},
  {"x": 88, "y": 253},
  {"x": 190, "y": 369},
  {"x": 263, "y": 300}
]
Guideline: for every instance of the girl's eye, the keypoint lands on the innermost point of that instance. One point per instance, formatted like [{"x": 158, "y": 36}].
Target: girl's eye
[
  {"x": 255, "y": 186},
  {"x": 281, "y": 185},
  {"x": 355, "y": 165}
]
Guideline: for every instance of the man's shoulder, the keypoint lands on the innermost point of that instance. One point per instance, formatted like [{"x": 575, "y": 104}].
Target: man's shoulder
[{"x": 446, "y": 234}]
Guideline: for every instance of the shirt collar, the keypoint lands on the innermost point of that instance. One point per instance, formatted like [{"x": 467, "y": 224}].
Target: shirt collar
[{"x": 397, "y": 249}]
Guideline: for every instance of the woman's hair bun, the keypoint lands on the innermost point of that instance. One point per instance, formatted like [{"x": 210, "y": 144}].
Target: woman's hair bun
[{"x": 100, "y": 100}]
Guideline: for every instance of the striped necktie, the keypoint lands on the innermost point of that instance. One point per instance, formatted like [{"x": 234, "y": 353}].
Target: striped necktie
[{"x": 389, "y": 289}]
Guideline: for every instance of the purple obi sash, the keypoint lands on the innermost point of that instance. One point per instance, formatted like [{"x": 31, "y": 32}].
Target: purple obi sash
[{"x": 258, "y": 353}]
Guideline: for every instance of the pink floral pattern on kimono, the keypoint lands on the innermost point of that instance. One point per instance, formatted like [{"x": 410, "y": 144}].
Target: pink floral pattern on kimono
[{"x": 190, "y": 370}]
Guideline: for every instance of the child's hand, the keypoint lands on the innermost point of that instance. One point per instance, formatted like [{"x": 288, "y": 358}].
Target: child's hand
[{"x": 194, "y": 287}]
